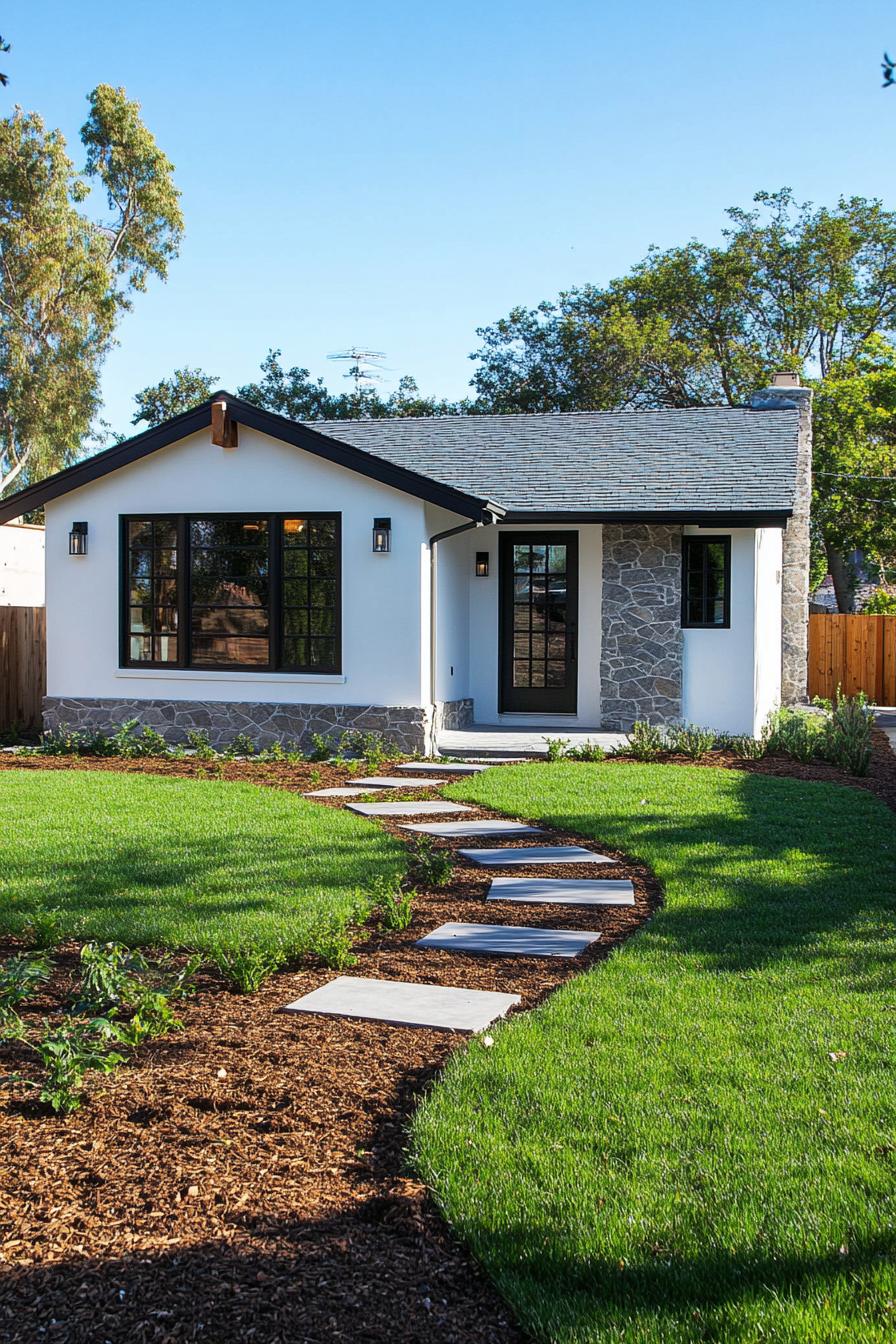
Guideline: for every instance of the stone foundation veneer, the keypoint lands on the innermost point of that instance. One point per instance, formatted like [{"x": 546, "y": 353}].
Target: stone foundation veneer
[
  {"x": 641, "y": 643},
  {"x": 409, "y": 727}
]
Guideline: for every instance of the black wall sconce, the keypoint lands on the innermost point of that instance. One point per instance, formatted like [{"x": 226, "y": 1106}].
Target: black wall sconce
[
  {"x": 382, "y": 536},
  {"x": 482, "y": 564},
  {"x": 77, "y": 539}
]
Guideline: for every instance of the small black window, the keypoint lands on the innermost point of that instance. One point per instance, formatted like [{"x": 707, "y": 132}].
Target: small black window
[{"x": 706, "y": 582}]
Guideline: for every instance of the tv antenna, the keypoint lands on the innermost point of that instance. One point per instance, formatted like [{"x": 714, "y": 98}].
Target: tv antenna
[{"x": 366, "y": 366}]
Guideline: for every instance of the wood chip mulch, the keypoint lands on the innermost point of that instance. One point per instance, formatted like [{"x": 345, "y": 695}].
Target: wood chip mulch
[{"x": 246, "y": 1178}]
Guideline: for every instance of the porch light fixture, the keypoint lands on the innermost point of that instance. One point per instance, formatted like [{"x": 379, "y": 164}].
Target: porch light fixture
[
  {"x": 382, "y": 536},
  {"x": 77, "y": 539},
  {"x": 482, "y": 564}
]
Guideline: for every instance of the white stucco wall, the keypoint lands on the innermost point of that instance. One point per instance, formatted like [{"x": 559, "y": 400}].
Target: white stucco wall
[
  {"x": 385, "y": 598},
  {"x": 453, "y": 576},
  {"x": 767, "y": 624},
  {"x": 731, "y": 678},
  {"x": 21, "y": 565}
]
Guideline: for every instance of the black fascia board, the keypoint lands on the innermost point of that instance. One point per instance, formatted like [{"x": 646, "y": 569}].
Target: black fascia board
[
  {"x": 267, "y": 422},
  {"x": 698, "y": 517}
]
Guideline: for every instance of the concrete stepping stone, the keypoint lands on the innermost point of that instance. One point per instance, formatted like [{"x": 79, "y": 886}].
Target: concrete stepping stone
[
  {"x": 409, "y": 1005},
  {"x": 387, "y": 782},
  {"x": 340, "y": 791},
  {"x": 513, "y": 858},
  {"x": 506, "y": 940},
  {"x": 405, "y": 809},
  {"x": 561, "y": 891},
  {"x": 466, "y": 828},
  {"x": 442, "y": 767}
]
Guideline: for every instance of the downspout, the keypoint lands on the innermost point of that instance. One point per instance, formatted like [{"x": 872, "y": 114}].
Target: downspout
[{"x": 489, "y": 520}]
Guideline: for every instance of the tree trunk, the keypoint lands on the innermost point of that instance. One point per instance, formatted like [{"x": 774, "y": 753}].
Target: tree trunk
[{"x": 843, "y": 577}]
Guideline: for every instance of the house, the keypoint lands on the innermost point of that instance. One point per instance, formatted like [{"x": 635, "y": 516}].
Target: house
[
  {"x": 236, "y": 571},
  {"x": 21, "y": 565}
]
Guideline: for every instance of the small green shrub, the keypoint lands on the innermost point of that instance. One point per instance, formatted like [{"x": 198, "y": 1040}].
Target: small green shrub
[
  {"x": 587, "y": 751},
  {"x": 321, "y": 747},
  {"x": 202, "y": 748},
  {"x": 20, "y": 977},
  {"x": 334, "y": 947},
  {"x": 246, "y": 968},
  {"x": 794, "y": 732},
  {"x": 68, "y": 1052},
  {"x": 748, "y": 748},
  {"x": 116, "y": 981},
  {"x": 688, "y": 739},
  {"x": 646, "y": 741},
  {"x": 428, "y": 865},
  {"x": 151, "y": 743},
  {"x": 396, "y": 907},
  {"x": 556, "y": 747},
  {"x": 846, "y": 736},
  {"x": 372, "y": 748},
  {"x": 107, "y": 972},
  {"x": 46, "y": 929},
  {"x": 242, "y": 745}
]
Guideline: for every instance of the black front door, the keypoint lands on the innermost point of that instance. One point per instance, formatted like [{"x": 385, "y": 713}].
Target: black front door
[{"x": 539, "y": 578}]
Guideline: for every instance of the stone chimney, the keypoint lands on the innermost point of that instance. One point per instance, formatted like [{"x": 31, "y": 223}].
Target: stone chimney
[{"x": 786, "y": 394}]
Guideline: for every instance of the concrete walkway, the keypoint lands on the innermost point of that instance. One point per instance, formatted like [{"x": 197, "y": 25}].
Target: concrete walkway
[
  {"x": 518, "y": 740},
  {"x": 456, "y": 1007}
]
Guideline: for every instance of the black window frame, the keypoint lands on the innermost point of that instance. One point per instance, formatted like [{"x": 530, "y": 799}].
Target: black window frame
[
  {"x": 687, "y": 542},
  {"x": 184, "y": 661}
]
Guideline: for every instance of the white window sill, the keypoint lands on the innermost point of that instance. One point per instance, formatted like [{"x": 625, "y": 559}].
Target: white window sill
[{"x": 259, "y": 678}]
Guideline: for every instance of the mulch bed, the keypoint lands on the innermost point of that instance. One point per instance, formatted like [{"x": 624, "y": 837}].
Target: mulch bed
[{"x": 274, "y": 1204}]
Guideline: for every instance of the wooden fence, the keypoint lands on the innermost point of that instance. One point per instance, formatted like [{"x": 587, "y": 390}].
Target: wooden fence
[
  {"x": 857, "y": 653},
  {"x": 23, "y": 666}
]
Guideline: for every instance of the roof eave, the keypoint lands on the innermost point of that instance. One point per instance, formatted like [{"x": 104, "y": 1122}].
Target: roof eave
[
  {"x": 698, "y": 517},
  {"x": 278, "y": 427}
]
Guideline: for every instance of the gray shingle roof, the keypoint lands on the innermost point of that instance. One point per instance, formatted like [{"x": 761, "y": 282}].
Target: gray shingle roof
[{"x": 709, "y": 459}]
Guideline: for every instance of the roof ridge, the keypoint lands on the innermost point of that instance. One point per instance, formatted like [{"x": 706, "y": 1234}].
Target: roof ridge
[{"x": 526, "y": 415}]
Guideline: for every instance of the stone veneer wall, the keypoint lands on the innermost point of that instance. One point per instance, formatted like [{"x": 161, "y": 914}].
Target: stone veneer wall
[
  {"x": 795, "y": 561},
  {"x": 641, "y": 643},
  {"x": 410, "y": 727},
  {"x": 452, "y": 715}
]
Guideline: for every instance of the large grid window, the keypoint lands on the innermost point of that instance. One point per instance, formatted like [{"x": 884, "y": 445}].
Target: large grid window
[
  {"x": 258, "y": 592},
  {"x": 706, "y": 582}
]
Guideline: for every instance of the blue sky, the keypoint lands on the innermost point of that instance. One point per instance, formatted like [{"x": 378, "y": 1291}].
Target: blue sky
[{"x": 397, "y": 174}]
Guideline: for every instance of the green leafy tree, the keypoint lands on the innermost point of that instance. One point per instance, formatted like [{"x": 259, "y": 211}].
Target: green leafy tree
[
  {"x": 295, "y": 394},
  {"x": 185, "y": 389},
  {"x": 854, "y": 501},
  {"x": 791, "y": 286},
  {"x": 66, "y": 278}
]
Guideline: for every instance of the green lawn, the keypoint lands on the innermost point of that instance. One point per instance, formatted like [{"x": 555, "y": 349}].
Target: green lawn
[
  {"x": 179, "y": 862},
  {"x": 666, "y": 1151}
]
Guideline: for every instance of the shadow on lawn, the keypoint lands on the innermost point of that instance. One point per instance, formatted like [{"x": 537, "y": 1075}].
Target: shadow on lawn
[
  {"x": 796, "y": 870},
  {"x": 698, "y": 1290},
  {"x": 263, "y": 874}
]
